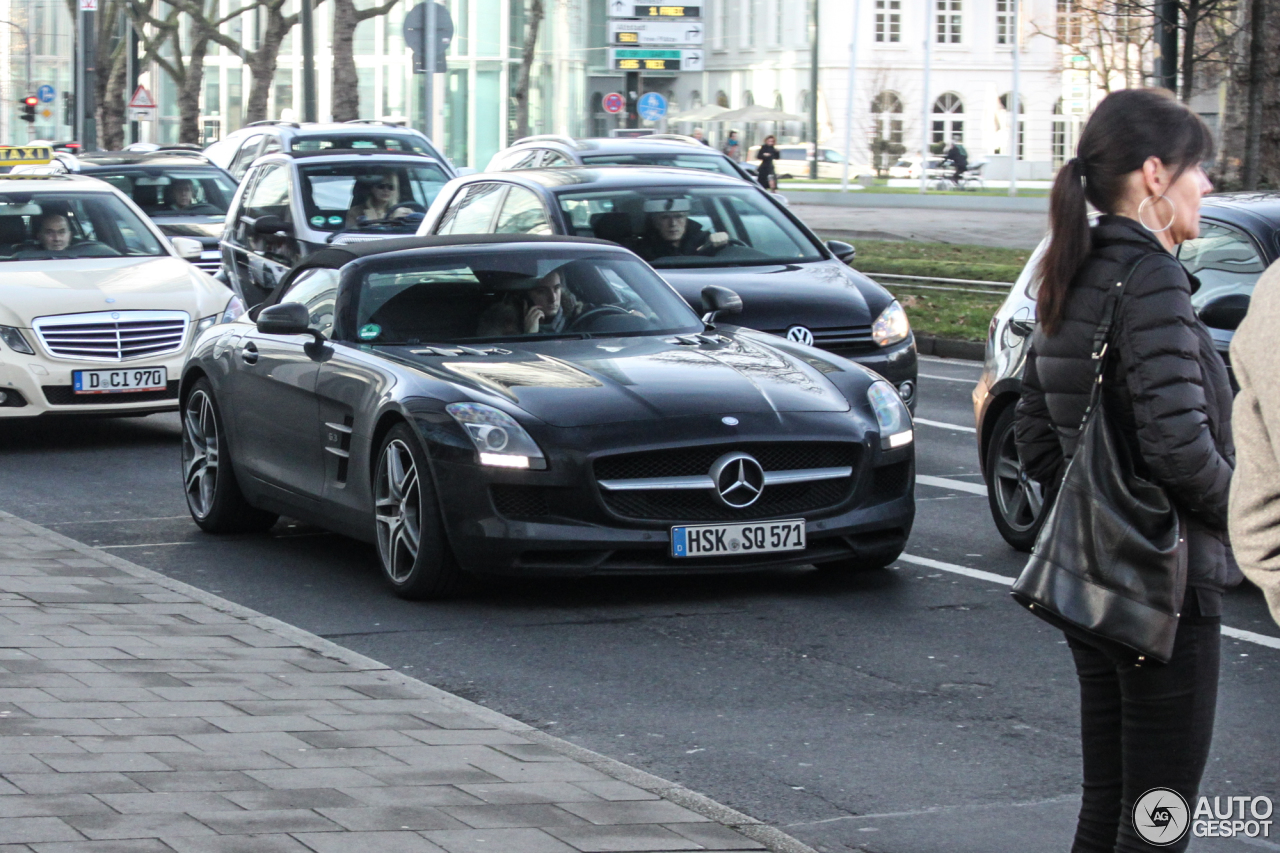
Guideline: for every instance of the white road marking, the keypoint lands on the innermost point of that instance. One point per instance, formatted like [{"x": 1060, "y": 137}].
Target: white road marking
[
  {"x": 144, "y": 545},
  {"x": 945, "y": 425},
  {"x": 954, "y": 485},
  {"x": 1234, "y": 633},
  {"x": 118, "y": 520},
  {"x": 945, "y": 378},
  {"x": 954, "y": 362}
]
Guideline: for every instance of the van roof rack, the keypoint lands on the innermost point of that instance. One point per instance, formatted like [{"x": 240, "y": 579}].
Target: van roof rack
[
  {"x": 674, "y": 137},
  {"x": 563, "y": 139},
  {"x": 273, "y": 122},
  {"x": 381, "y": 122}
]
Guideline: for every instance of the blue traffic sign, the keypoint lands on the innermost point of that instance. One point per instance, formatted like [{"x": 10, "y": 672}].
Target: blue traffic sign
[
  {"x": 46, "y": 94},
  {"x": 652, "y": 106}
]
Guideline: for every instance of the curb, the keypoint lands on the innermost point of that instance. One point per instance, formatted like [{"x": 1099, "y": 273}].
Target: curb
[
  {"x": 835, "y": 198},
  {"x": 774, "y": 839},
  {"x": 949, "y": 348}
]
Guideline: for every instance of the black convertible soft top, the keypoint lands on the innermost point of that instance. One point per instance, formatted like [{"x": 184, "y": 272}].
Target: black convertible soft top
[{"x": 335, "y": 257}]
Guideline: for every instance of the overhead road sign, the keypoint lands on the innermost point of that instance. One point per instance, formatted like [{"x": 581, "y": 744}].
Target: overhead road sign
[
  {"x": 647, "y": 11},
  {"x": 25, "y": 155},
  {"x": 624, "y": 33},
  {"x": 614, "y": 103},
  {"x": 624, "y": 59}
]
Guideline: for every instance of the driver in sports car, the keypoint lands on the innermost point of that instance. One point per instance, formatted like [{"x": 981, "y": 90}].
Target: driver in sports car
[
  {"x": 546, "y": 308},
  {"x": 669, "y": 232}
]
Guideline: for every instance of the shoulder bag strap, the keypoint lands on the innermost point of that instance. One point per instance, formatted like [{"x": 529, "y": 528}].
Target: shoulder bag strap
[{"x": 1102, "y": 335}]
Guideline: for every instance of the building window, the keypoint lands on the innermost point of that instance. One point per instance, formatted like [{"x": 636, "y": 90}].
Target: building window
[
  {"x": 948, "y": 121},
  {"x": 722, "y": 100},
  {"x": 1003, "y": 142},
  {"x": 889, "y": 21},
  {"x": 1058, "y": 139},
  {"x": 886, "y": 130},
  {"x": 1004, "y": 21},
  {"x": 1070, "y": 22},
  {"x": 947, "y": 21},
  {"x": 778, "y": 21}
]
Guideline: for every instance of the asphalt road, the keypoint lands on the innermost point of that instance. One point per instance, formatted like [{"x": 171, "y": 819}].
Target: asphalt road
[
  {"x": 1001, "y": 228},
  {"x": 910, "y": 710}
]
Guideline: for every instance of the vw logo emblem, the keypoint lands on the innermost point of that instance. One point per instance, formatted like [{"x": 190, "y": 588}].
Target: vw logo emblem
[
  {"x": 738, "y": 479},
  {"x": 729, "y": 420},
  {"x": 800, "y": 335}
]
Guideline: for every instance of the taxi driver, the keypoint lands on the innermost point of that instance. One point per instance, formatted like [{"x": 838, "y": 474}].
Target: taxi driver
[{"x": 53, "y": 232}]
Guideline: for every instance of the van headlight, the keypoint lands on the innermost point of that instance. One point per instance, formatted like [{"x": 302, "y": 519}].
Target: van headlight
[
  {"x": 891, "y": 326},
  {"x": 891, "y": 415},
  {"x": 499, "y": 440}
]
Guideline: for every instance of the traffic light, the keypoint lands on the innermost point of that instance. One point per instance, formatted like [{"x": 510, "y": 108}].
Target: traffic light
[{"x": 29, "y": 108}]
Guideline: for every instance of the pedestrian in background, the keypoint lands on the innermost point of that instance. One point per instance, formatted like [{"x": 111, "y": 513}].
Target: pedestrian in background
[
  {"x": 732, "y": 148},
  {"x": 767, "y": 154},
  {"x": 1144, "y": 724},
  {"x": 697, "y": 134},
  {"x": 1255, "y": 489}
]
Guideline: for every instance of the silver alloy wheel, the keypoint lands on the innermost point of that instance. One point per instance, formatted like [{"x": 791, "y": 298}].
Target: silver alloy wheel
[
  {"x": 200, "y": 453},
  {"x": 398, "y": 511},
  {"x": 1021, "y": 499}
]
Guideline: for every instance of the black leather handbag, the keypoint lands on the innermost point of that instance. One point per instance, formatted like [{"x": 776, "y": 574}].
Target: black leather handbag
[{"x": 1110, "y": 562}]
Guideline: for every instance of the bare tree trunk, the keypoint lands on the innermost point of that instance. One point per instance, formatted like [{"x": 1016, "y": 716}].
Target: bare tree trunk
[
  {"x": 346, "y": 80},
  {"x": 263, "y": 61},
  {"x": 111, "y": 105},
  {"x": 532, "y": 25},
  {"x": 1193, "y": 11},
  {"x": 189, "y": 87},
  {"x": 1253, "y": 96}
]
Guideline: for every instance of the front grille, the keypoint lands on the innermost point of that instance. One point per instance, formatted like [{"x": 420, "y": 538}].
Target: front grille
[
  {"x": 211, "y": 267},
  {"x": 839, "y": 338},
  {"x": 113, "y": 335},
  {"x": 702, "y": 505},
  {"x": 65, "y": 395},
  {"x": 889, "y": 482},
  {"x": 520, "y": 501}
]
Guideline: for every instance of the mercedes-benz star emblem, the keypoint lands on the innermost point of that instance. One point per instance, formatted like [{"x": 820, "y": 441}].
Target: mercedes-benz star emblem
[
  {"x": 738, "y": 478},
  {"x": 800, "y": 335}
]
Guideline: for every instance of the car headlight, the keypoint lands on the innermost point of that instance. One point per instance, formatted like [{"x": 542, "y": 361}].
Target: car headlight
[
  {"x": 891, "y": 326},
  {"x": 891, "y": 414},
  {"x": 14, "y": 340},
  {"x": 233, "y": 310},
  {"x": 500, "y": 441}
]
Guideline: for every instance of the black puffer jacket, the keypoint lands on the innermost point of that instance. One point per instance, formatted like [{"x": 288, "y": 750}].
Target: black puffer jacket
[{"x": 1166, "y": 387}]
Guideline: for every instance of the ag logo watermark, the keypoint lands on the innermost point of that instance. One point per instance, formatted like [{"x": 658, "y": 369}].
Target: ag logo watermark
[{"x": 1161, "y": 817}]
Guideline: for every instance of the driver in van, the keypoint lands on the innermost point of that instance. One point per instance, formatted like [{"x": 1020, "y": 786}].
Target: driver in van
[
  {"x": 669, "y": 232},
  {"x": 545, "y": 308}
]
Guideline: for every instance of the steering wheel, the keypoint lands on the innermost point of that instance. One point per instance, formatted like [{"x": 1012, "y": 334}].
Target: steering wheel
[
  {"x": 91, "y": 249},
  {"x": 596, "y": 312}
]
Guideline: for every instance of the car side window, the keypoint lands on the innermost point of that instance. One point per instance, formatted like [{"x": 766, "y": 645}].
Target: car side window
[
  {"x": 318, "y": 290},
  {"x": 1224, "y": 259},
  {"x": 245, "y": 156},
  {"x": 523, "y": 213},
  {"x": 555, "y": 158},
  {"x": 270, "y": 194},
  {"x": 271, "y": 146},
  {"x": 472, "y": 213},
  {"x": 525, "y": 160}
]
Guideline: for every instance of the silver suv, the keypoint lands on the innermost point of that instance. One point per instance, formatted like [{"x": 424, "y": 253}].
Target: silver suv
[
  {"x": 237, "y": 151},
  {"x": 1239, "y": 238},
  {"x": 658, "y": 149}
]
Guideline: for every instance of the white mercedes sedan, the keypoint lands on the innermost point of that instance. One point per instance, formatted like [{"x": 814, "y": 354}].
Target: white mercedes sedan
[{"x": 98, "y": 309}]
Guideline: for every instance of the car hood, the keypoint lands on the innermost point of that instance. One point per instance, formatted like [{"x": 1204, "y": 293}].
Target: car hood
[
  {"x": 30, "y": 289},
  {"x": 582, "y": 383},
  {"x": 821, "y": 294},
  {"x": 206, "y": 229}
]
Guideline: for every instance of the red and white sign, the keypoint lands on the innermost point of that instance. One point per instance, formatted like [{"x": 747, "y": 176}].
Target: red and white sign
[
  {"x": 142, "y": 107},
  {"x": 614, "y": 103},
  {"x": 88, "y": 5}
]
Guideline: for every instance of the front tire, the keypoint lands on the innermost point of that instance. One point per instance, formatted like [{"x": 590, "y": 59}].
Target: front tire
[
  {"x": 1017, "y": 502},
  {"x": 415, "y": 556},
  {"x": 214, "y": 498}
]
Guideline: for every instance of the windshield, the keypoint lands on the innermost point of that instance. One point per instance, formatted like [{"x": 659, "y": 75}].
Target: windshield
[
  {"x": 362, "y": 195},
  {"x": 164, "y": 191},
  {"x": 521, "y": 293},
  {"x": 363, "y": 141},
  {"x": 1224, "y": 260},
  {"x": 691, "y": 226},
  {"x": 48, "y": 225},
  {"x": 705, "y": 162}
]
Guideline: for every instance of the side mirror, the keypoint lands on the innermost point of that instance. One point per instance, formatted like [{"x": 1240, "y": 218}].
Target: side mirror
[
  {"x": 187, "y": 248},
  {"x": 1225, "y": 312},
  {"x": 842, "y": 251},
  {"x": 271, "y": 224},
  {"x": 463, "y": 171},
  {"x": 287, "y": 318},
  {"x": 717, "y": 300}
]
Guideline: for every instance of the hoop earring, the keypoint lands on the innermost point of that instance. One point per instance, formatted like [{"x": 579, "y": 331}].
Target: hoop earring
[{"x": 1173, "y": 212}]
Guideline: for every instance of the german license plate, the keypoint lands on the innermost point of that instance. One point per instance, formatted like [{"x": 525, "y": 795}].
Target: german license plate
[
  {"x": 719, "y": 540},
  {"x": 119, "y": 381}
]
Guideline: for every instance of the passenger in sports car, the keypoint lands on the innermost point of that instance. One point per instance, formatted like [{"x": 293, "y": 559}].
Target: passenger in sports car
[
  {"x": 669, "y": 233},
  {"x": 545, "y": 308}
]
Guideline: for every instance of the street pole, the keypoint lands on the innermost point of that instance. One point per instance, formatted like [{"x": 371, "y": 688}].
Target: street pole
[
  {"x": 633, "y": 98},
  {"x": 813, "y": 92},
  {"x": 135, "y": 127},
  {"x": 848, "y": 98},
  {"x": 85, "y": 126},
  {"x": 307, "y": 19},
  {"x": 429, "y": 42},
  {"x": 1167, "y": 44},
  {"x": 1015, "y": 104},
  {"x": 924, "y": 97}
]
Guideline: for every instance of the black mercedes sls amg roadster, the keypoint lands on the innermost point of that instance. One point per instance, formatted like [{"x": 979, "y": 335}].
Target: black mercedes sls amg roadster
[{"x": 528, "y": 405}]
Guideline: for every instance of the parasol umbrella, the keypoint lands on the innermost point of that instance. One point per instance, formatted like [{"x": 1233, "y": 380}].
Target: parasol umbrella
[
  {"x": 757, "y": 112},
  {"x": 706, "y": 112}
]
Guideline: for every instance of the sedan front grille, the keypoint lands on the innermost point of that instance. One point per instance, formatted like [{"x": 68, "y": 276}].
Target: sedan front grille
[
  {"x": 113, "y": 335},
  {"x": 838, "y": 338},
  {"x": 211, "y": 267}
]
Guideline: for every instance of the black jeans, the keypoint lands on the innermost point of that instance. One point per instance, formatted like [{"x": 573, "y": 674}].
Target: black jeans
[{"x": 1142, "y": 727}]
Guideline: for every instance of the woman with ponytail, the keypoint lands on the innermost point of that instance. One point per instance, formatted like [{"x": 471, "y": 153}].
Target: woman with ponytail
[{"x": 1144, "y": 724}]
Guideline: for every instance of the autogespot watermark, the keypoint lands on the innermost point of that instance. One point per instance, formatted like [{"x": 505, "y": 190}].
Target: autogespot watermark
[{"x": 1161, "y": 817}]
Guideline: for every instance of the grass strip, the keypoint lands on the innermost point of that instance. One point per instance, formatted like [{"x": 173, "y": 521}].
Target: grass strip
[
  {"x": 946, "y": 314},
  {"x": 941, "y": 260}
]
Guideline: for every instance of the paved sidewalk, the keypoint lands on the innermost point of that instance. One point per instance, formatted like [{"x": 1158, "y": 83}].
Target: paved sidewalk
[
  {"x": 140, "y": 715},
  {"x": 1004, "y": 229}
]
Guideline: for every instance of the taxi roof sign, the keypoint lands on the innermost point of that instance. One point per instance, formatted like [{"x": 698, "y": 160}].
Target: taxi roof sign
[{"x": 25, "y": 155}]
